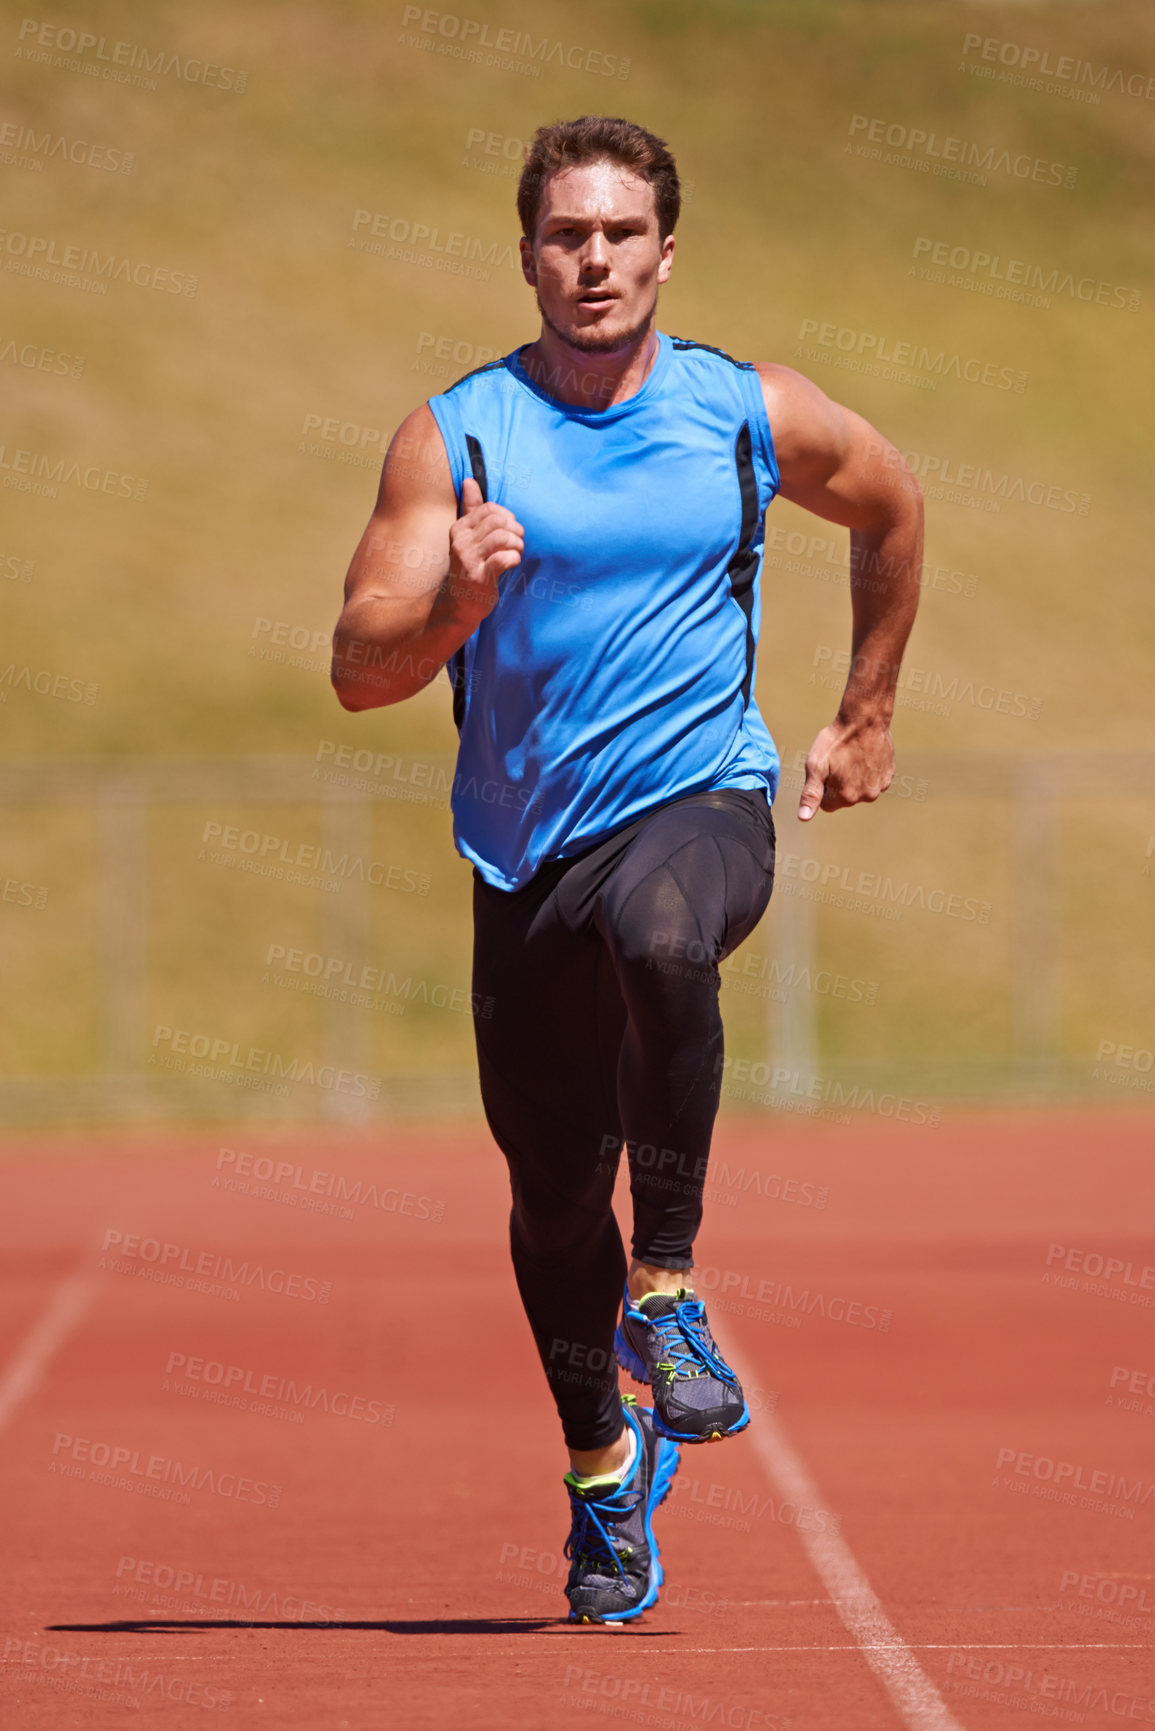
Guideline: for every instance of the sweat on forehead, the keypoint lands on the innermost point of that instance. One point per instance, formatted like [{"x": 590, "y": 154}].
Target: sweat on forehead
[{"x": 595, "y": 186}]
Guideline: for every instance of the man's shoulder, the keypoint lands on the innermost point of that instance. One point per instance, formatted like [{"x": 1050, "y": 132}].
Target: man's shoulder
[
  {"x": 686, "y": 345},
  {"x": 789, "y": 395},
  {"x": 489, "y": 369},
  {"x": 774, "y": 376}
]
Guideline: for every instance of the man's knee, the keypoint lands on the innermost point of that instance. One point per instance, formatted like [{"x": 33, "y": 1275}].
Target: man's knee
[
  {"x": 656, "y": 931},
  {"x": 666, "y": 965},
  {"x": 678, "y": 949},
  {"x": 553, "y": 1228}
]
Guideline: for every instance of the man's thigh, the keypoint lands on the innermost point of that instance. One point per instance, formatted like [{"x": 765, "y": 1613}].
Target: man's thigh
[
  {"x": 549, "y": 1023},
  {"x": 693, "y": 883}
]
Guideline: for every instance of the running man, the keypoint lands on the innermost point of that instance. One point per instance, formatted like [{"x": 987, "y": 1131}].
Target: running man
[{"x": 576, "y": 533}]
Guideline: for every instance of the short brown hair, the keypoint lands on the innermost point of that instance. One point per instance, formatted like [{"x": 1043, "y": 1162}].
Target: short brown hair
[{"x": 594, "y": 138}]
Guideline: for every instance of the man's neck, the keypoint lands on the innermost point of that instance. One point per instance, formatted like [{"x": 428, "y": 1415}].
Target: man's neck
[{"x": 590, "y": 380}]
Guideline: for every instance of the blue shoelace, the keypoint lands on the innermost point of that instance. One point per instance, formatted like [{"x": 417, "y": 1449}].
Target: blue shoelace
[
  {"x": 683, "y": 1344},
  {"x": 588, "y": 1539}
]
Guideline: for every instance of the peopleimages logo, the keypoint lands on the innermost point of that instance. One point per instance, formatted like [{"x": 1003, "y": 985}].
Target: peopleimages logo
[
  {"x": 276, "y": 851},
  {"x": 47, "y": 684},
  {"x": 101, "y": 1679},
  {"x": 153, "y": 1578},
  {"x": 1108, "y": 1590},
  {"x": 923, "y": 147},
  {"x": 17, "y": 138},
  {"x": 356, "y": 1191},
  {"x": 718, "y": 1505},
  {"x": 464, "y": 38},
  {"x": 38, "y": 357},
  {"x": 150, "y": 1472},
  {"x": 1066, "y": 68},
  {"x": 971, "y": 478},
  {"x": 872, "y": 346},
  {"x": 39, "y": 249},
  {"x": 591, "y": 1692},
  {"x": 1037, "y": 278},
  {"x": 1053, "y": 1473},
  {"x": 1045, "y": 1693},
  {"x": 1093, "y": 1262},
  {"x": 167, "y": 1259},
  {"x": 237, "y": 1381},
  {"x": 424, "y": 237},
  {"x": 122, "y": 62},
  {"x": 779, "y": 1292},
  {"x": 224, "y": 1052}
]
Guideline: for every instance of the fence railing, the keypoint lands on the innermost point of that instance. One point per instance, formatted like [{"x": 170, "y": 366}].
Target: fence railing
[{"x": 120, "y": 793}]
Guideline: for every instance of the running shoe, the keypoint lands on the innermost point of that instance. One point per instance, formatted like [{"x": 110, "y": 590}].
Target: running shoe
[
  {"x": 615, "y": 1571},
  {"x": 664, "y": 1340}
]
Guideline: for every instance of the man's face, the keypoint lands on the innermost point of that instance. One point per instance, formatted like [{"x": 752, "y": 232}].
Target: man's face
[{"x": 596, "y": 259}]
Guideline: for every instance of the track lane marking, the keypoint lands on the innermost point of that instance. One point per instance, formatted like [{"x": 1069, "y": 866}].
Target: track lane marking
[
  {"x": 916, "y": 1646},
  {"x": 919, "y": 1704},
  {"x": 33, "y": 1356}
]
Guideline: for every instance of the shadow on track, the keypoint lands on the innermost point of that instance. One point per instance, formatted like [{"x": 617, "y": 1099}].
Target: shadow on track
[{"x": 392, "y": 1626}]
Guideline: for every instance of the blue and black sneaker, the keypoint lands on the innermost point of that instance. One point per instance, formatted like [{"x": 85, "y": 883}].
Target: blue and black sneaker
[
  {"x": 664, "y": 1340},
  {"x": 615, "y": 1571}
]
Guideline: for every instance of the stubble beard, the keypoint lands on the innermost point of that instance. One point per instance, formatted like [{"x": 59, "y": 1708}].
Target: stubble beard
[{"x": 590, "y": 340}]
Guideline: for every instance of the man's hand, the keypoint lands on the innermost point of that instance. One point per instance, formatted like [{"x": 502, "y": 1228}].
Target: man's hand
[
  {"x": 848, "y": 764},
  {"x": 485, "y": 542}
]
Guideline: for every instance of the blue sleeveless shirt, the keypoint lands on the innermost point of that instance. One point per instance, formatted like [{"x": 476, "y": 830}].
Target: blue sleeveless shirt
[{"x": 616, "y": 671}]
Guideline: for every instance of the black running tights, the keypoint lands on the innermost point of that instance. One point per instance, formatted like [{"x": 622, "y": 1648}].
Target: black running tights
[{"x": 600, "y": 1026}]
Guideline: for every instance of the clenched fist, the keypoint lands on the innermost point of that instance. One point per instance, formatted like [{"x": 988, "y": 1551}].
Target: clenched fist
[{"x": 484, "y": 543}]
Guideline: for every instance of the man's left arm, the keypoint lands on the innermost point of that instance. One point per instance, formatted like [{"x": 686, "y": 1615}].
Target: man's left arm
[{"x": 835, "y": 464}]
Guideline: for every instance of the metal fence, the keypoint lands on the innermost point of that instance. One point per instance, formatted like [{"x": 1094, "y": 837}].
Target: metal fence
[{"x": 119, "y": 793}]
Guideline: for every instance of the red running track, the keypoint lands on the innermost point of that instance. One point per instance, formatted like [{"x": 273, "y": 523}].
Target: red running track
[{"x": 285, "y": 1467}]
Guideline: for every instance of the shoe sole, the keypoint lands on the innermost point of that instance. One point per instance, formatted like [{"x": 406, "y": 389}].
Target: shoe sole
[
  {"x": 665, "y": 1466},
  {"x": 633, "y": 1366}
]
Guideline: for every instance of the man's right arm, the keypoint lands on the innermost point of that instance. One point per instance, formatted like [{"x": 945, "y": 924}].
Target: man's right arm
[{"x": 422, "y": 578}]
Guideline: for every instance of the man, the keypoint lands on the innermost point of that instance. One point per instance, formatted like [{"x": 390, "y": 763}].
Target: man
[{"x": 577, "y": 532}]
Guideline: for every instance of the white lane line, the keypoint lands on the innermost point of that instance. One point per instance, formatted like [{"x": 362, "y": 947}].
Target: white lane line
[
  {"x": 915, "y": 1646},
  {"x": 919, "y": 1703},
  {"x": 593, "y": 1631},
  {"x": 31, "y": 1359}
]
